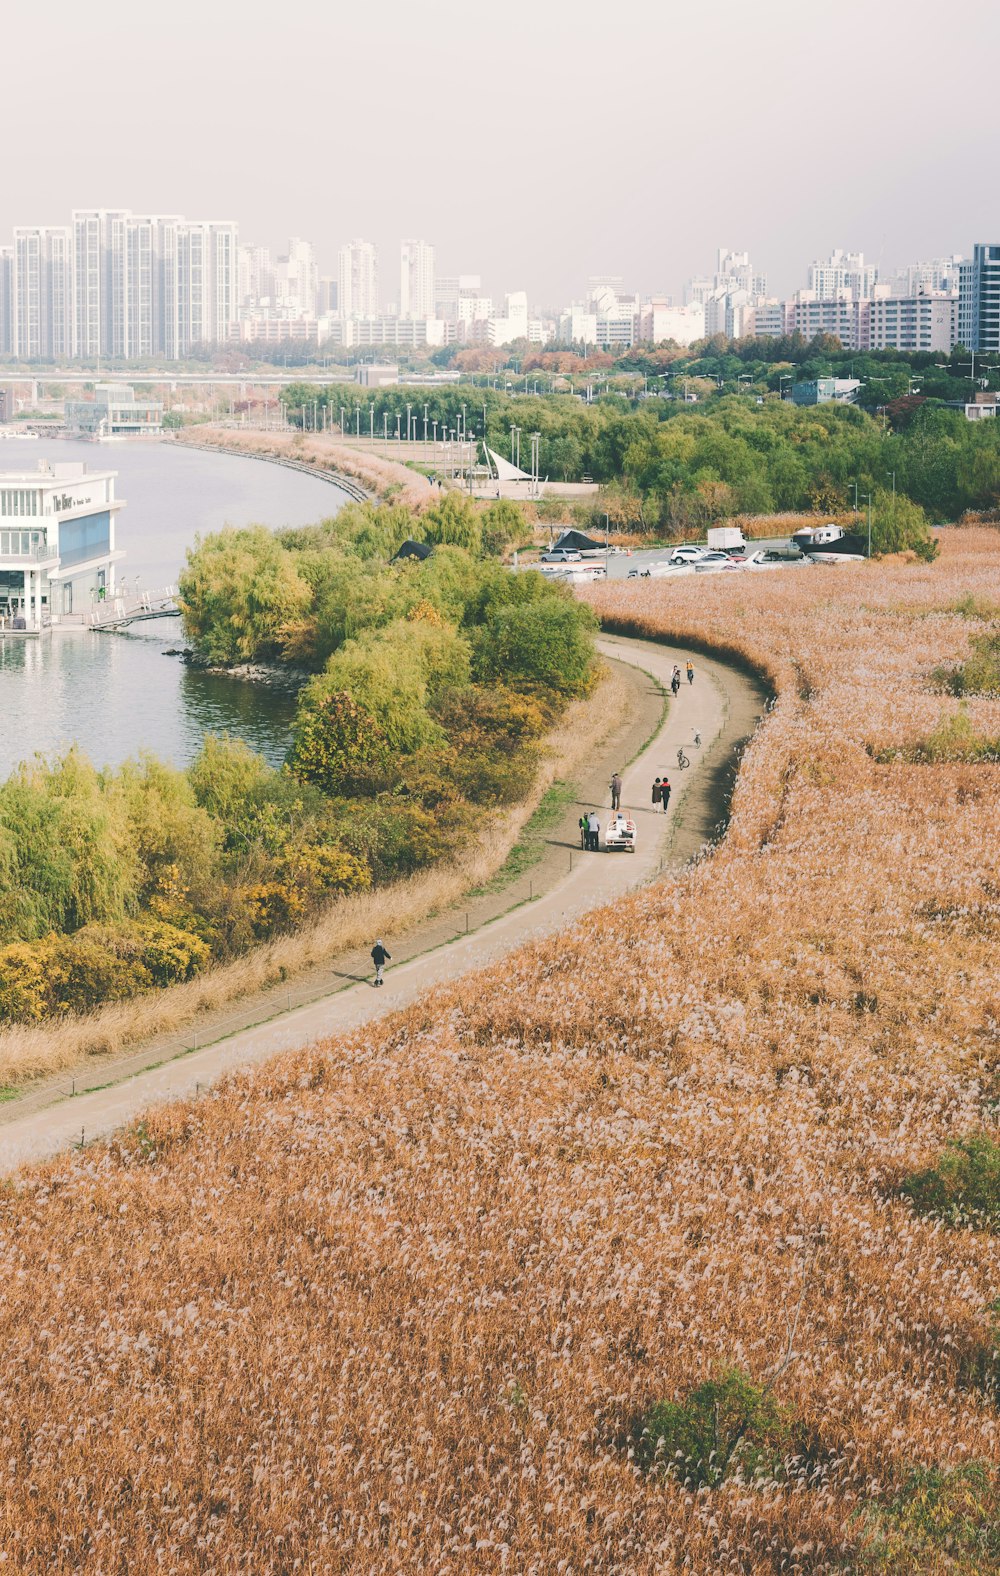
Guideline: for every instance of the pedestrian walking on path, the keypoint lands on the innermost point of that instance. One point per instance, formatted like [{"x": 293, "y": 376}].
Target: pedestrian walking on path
[
  {"x": 665, "y": 793},
  {"x": 675, "y": 682},
  {"x": 616, "y": 792},
  {"x": 657, "y": 792},
  {"x": 593, "y": 832},
  {"x": 380, "y": 958},
  {"x": 690, "y": 671},
  {"x": 583, "y": 830}
]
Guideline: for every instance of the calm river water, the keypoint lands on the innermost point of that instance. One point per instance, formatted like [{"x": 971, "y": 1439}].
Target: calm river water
[{"x": 117, "y": 694}]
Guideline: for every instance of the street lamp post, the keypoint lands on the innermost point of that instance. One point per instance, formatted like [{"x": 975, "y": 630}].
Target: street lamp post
[{"x": 868, "y": 499}]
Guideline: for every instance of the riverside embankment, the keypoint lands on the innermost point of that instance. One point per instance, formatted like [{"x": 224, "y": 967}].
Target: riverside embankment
[{"x": 361, "y": 475}]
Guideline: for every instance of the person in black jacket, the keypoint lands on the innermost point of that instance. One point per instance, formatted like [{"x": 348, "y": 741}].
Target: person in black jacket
[{"x": 380, "y": 958}]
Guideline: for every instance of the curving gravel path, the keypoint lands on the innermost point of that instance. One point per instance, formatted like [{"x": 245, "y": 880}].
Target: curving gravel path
[{"x": 722, "y": 704}]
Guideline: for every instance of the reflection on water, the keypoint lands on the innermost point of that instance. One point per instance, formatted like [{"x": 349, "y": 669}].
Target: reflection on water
[{"x": 115, "y": 695}]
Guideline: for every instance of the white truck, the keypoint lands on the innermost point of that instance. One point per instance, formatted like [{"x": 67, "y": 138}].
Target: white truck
[
  {"x": 726, "y": 539},
  {"x": 620, "y": 832}
]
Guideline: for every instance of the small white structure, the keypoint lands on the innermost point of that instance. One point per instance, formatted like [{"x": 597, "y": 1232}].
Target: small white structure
[
  {"x": 57, "y": 545},
  {"x": 114, "y": 412}
]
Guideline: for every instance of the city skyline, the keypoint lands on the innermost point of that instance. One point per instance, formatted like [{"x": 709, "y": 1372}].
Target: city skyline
[
  {"x": 543, "y": 146},
  {"x": 126, "y": 286}
]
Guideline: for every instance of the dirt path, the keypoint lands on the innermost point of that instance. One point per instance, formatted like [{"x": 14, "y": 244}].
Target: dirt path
[{"x": 722, "y": 705}]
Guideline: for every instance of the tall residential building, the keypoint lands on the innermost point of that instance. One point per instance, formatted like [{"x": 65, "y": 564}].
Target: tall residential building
[
  {"x": 416, "y": 279},
  {"x": 979, "y": 299},
  {"x": 358, "y": 280},
  {"x": 206, "y": 273},
  {"x": 297, "y": 278},
  {"x": 98, "y": 279},
  {"x": 938, "y": 273},
  {"x": 916, "y": 322},
  {"x": 843, "y": 271},
  {"x": 256, "y": 276},
  {"x": 845, "y": 317},
  {"x": 6, "y": 300},
  {"x": 42, "y": 293}
]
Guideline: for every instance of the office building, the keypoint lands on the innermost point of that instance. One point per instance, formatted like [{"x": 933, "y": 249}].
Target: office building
[
  {"x": 358, "y": 280},
  {"x": 416, "y": 279},
  {"x": 979, "y": 299}
]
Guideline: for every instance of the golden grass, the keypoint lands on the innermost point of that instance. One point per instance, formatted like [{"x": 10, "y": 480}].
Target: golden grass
[
  {"x": 28, "y": 1051},
  {"x": 392, "y": 1304}
]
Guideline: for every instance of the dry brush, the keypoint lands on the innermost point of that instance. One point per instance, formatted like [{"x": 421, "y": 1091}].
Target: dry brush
[{"x": 396, "y": 1303}]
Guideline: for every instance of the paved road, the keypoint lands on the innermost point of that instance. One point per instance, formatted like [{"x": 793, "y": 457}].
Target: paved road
[{"x": 722, "y": 705}]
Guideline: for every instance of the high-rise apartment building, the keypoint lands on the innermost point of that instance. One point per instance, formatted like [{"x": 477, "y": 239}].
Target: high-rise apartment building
[
  {"x": 843, "y": 271},
  {"x": 938, "y": 273},
  {"x": 6, "y": 300},
  {"x": 297, "y": 278},
  {"x": 979, "y": 299},
  {"x": 205, "y": 302},
  {"x": 416, "y": 279},
  {"x": 42, "y": 293},
  {"x": 358, "y": 280},
  {"x": 912, "y": 322}
]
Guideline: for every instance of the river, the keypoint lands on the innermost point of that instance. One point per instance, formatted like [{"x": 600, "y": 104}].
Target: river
[{"x": 117, "y": 694}]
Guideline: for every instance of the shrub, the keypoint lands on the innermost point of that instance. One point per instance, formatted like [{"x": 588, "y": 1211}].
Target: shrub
[
  {"x": 546, "y": 643},
  {"x": 963, "y": 1187},
  {"x": 979, "y": 674},
  {"x": 338, "y": 746},
  {"x": 726, "y": 1426},
  {"x": 943, "y": 1519}
]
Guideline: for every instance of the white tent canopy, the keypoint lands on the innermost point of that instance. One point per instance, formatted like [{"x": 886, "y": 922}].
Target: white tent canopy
[{"x": 507, "y": 472}]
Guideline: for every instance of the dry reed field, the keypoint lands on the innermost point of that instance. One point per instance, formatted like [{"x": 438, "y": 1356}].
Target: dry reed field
[
  {"x": 401, "y": 1303},
  {"x": 380, "y": 476}
]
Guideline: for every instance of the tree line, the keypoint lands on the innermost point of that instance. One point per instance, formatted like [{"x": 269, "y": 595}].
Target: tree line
[{"x": 433, "y": 685}]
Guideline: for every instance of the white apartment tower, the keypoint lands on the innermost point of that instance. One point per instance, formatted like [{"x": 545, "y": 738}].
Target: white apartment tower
[
  {"x": 42, "y": 293},
  {"x": 843, "y": 271},
  {"x": 297, "y": 278},
  {"x": 416, "y": 279},
  {"x": 206, "y": 275},
  {"x": 358, "y": 280},
  {"x": 6, "y": 300}
]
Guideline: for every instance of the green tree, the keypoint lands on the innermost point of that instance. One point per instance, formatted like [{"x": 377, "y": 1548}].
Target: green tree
[
  {"x": 453, "y": 520},
  {"x": 548, "y": 643},
  {"x": 241, "y": 594}
]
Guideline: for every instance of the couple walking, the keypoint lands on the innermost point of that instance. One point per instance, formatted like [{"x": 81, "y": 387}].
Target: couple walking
[
  {"x": 675, "y": 677},
  {"x": 661, "y": 792}
]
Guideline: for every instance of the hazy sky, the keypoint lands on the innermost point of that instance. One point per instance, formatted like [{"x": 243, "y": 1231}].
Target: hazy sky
[{"x": 535, "y": 141}]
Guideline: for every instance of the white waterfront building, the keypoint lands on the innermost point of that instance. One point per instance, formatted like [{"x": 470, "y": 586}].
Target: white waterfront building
[{"x": 57, "y": 544}]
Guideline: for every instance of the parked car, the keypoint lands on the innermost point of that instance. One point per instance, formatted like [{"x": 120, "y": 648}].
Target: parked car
[
  {"x": 687, "y": 554},
  {"x": 562, "y": 555}
]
